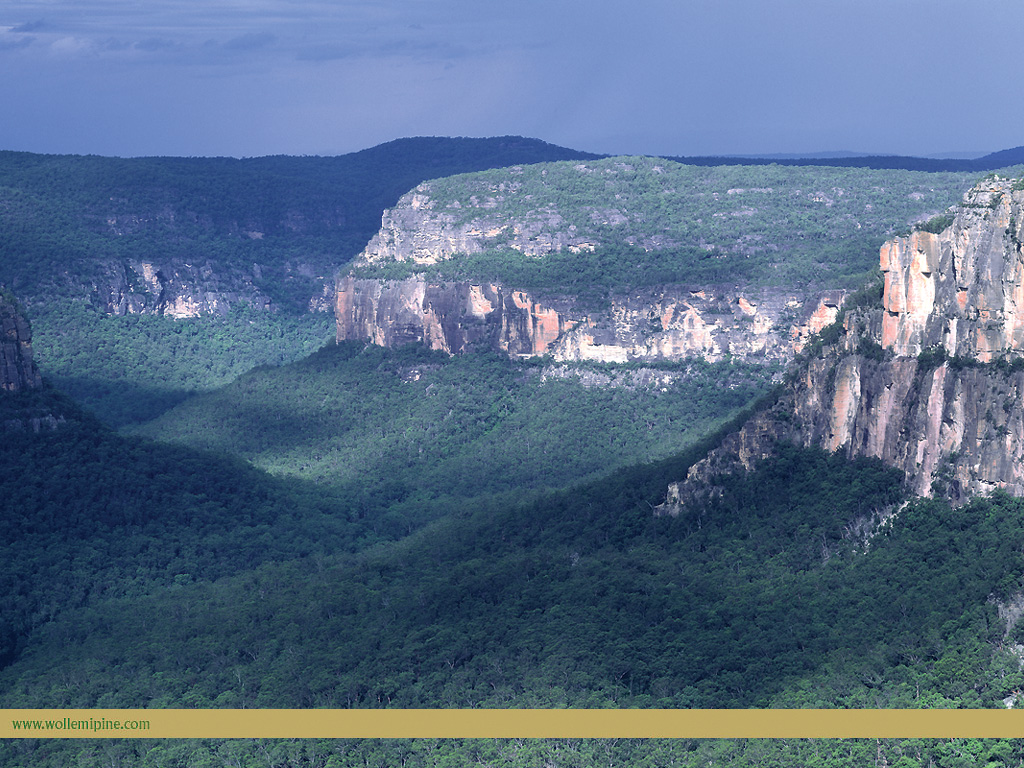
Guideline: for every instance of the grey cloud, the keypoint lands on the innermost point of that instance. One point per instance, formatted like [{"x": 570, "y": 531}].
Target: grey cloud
[
  {"x": 33, "y": 26},
  {"x": 602, "y": 75},
  {"x": 250, "y": 41},
  {"x": 10, "y": 43},
  {"x": 385, "y": 47},
  {"x": 114, "y": 44},
  {"x": 304, "y": 31},
  {"x": 325, "y": 52},
  {"x": 152, "y": 44}
]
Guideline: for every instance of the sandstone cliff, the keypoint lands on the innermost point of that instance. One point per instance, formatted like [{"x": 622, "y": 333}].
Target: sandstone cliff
[
  {"x": 418, "y": 230},
  {"x": 668, "y": 323},
  {"x": 17, "y": 369},
  {"x": 484, "y": 259},
  {"x": 931, "y": 381},
  {"x": 962, "y": 289}
]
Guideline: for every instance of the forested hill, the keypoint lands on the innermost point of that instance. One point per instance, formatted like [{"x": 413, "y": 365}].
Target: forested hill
[
  {"x": 147, "y": 279},
  {"x": 255, "y": 227},
  {"x": 268, "y": 229}
]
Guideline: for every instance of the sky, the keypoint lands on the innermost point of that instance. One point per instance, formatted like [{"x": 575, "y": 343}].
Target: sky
[{"x": 247, "y": 78}]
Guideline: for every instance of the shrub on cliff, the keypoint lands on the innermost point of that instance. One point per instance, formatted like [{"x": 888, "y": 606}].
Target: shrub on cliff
[{"x": 936, "y": 224}]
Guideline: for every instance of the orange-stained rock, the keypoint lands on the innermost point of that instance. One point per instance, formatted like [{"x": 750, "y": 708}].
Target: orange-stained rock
[
  {"x": 746, "y": 307},
  {"x": 479, "y": 305},
  {"x": 668, "y": 323},
  {"x": 967, "y": 281},
  {"x": 823, "y": 316},
  {"x": 844, "y": 403},
  {"x": 547, "y": 327}
]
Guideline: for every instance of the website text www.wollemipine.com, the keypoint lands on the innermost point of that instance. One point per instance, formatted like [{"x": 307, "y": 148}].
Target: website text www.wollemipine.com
[
  {"x": 90, "y": 725},
  {"x": 510, "y": 723}
]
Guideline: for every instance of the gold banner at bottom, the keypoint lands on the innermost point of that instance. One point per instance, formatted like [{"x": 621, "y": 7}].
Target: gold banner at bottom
[{"x": 511, "y": 723}]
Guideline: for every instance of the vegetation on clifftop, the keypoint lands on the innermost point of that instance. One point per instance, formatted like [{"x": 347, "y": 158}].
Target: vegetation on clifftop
[{"x": 640, "y": 221}]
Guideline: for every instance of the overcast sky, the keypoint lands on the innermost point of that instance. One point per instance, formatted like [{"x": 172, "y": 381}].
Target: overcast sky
[{"x": 677, "y": 77}]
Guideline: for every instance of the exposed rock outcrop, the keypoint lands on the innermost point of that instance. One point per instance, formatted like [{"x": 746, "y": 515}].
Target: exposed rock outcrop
[
  {"x": 962, "y": 289},
  {"x": 653, "y": 205},
  {"x": 415, "y": 230},
  {"x": 670, "y": 323},
  {"x": 176, "y": 288},
  {"x": 17, "y": 369},
  {"x": 931, "y": 382}
]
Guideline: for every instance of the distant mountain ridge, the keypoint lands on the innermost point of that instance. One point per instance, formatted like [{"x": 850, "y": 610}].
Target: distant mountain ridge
[
  {"x": 192, "y": 236},
  {"x": 990, "y": 162}
]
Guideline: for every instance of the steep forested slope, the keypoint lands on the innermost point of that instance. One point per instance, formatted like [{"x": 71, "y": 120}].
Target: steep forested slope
[
  {"x": 89, "y": 516},
  {"x": 130, "y": 369},
  {"x": 769, "y": 596}
]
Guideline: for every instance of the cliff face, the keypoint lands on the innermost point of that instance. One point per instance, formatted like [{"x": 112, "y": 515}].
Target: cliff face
[
  {"x": 954, "y": 430},
  {"x": 19, "y": 377},
  {"x": 177, "y": 288},
  {"x": 706, "y": 239},
  {"x": 672, "y": 322},
  {"x": 931, "y": 382},
  {"x": 962, "y": 289},
  {"x": 416, "y": 230},
  {"x": 17, "y": 370}
]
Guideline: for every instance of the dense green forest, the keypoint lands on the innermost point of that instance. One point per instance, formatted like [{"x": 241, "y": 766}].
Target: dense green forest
[
  {"x": 88, "y": 515},
  {"x": 129, "y": 370},
  {"x": 765, "y": 597},
  {"x": 66, "y": 219},
  {"x": 420, "y": 427},
  {"x": 143, "y": 575},
  {"x": 528, "y": 753}
]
